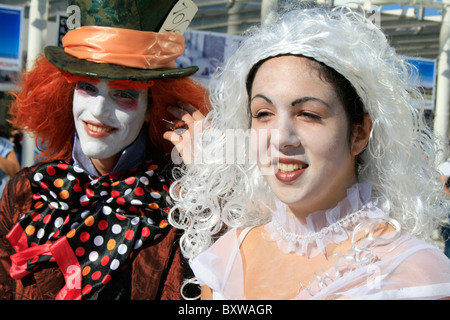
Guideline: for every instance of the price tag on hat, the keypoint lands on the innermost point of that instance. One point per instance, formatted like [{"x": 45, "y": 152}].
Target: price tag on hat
[{"x": 180, "y": 17}]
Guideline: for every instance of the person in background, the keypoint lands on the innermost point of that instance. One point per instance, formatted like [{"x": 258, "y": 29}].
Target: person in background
[
  {"x": 444, "y": 169},
  {"x": 338, "y": 192},
  {"x": 9, "y": 164},
  {"x": 90, "y": 222}
]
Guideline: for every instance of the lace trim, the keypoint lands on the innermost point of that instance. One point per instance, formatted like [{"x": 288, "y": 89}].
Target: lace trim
[
  {"x": 324, "y": 227},
  {"x": 352, "y": 218}
]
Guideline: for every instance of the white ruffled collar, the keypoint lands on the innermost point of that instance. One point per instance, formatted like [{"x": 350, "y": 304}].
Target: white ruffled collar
[{"x": 322, "y": 227}]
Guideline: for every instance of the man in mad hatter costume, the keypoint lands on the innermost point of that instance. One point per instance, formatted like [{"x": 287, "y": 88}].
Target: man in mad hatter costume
[{"x": 90, "y": 221}]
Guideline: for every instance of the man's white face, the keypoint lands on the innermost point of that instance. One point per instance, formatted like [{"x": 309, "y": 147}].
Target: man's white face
[{"x": 107, "y": 120}]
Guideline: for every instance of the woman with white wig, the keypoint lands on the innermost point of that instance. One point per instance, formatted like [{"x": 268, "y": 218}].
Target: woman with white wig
[{"x": 337, "y": 194}]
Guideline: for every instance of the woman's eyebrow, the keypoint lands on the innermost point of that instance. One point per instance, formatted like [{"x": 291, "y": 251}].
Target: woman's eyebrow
[
  {"x": 262, "y": 97},
  {"x": 306, "y": 99}
]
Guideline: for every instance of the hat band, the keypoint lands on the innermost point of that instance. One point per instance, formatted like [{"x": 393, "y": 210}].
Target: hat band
[{"x": 125, "y": 47}]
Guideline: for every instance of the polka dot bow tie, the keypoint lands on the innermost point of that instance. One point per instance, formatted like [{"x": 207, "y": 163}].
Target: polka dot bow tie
[{"x": 91, "y": 227}]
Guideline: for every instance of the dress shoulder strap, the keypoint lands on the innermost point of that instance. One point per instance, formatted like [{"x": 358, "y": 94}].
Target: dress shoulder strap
[{"x": 235, "y": 252}]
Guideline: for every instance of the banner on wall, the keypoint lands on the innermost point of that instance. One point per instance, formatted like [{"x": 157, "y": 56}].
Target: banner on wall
[
  {"x": 424, "y": 77},
  {"x": 207, "y": 50},
  {"x": 10, "y": 38}
]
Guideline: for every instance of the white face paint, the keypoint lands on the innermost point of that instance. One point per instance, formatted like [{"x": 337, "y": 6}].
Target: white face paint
[
  {"x": 312, "y": 162},
  {"x": 107, "y": 120}
]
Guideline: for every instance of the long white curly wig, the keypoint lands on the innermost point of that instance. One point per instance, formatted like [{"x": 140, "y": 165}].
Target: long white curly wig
[{"x": 400, "y": 160}]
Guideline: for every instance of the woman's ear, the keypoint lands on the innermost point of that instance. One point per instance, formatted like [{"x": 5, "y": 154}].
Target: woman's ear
[{"x": 361, "y": 135}]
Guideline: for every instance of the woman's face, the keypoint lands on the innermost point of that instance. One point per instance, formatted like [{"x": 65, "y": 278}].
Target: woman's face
[
  {"x": 302, "y": 129},
  {"x": 107, "y": 120}
]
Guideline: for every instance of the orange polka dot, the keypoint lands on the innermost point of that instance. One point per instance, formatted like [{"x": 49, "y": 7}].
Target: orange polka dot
[
  {"x": 89, "y": 221},
  {"x": 38, "y": 205},
  {"x": 163, "y": 224},
  {"x": 30, "y": 230},
  {"x": 64, "y": 194},
  {"x": 111, "y": 244},
  {"x": 153, "y": 206},
  {"x": 58, "y": 183},
  {"x": 86, "y": 270},
  {"x": 71, "y": 233}
]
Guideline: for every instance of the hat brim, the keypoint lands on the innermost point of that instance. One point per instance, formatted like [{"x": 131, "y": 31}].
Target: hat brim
[{"x": 64, "y": 61}]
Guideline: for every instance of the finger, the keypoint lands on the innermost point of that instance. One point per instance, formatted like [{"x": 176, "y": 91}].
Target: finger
[
  {"x": 172, "y": 137},
  {"x": 194, "y": 112}
]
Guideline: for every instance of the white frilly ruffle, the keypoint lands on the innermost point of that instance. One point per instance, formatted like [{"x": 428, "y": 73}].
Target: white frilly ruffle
[{"x": 322, "y": 227}]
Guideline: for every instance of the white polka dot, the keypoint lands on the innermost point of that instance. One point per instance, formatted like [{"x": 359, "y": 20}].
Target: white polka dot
[
  {"x": 135, "y": 221},
  {"x": 63, "y": 206},
  {"x": 54, "y": 204},
  {"x": 93, "y": 256},
  {"x": 98, "y": 241},
  {"x": 77, "y": 169},
  {"x": 114, "y": 264},
  {"x": 106, "y": 210},
  {"x": 74, "y": 225},
  {"x": 70, "y": 177},
  {"x": 127, "y": 191},
  {"x": 84, "y": 214},
  {"x": 122, "y": 249},
  {"x": 116, "y": 229},
  {"x": 138, "y": 244},
  {"x": 155, "y": 195},
  {"x": 84, "y": 198},
  {"x": 136, "y": 202},
  {"x": 40, "y": 233},
  {"x": 144, "y": 180},
  {"x": 38, "y": 177},
  {"x": 58, "y": 222}
]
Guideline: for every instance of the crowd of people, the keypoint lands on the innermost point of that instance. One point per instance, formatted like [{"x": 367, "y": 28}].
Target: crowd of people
[{"x": 337, "y": 196}]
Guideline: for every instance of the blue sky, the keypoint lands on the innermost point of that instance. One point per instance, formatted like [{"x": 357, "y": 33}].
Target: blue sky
[{"x": 428, "y": 11}]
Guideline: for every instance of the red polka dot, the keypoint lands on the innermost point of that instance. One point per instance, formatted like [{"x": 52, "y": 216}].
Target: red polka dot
[
  {"x": 104, "y": 260},
  {"x": 62, "y": 166},
  {"x": 139, "y": 191},
  {"x": 47, "y": 218},
  {"x": 36, "y": 196},
  {"x": 129, "y": 234},
  {"x": 66, "y": 220},
  {"x": 145, "y": 232},
  {"x": 56, "y": 234},
  {"x": 120, "y": 217},
  {"x": 50, "y": 170},
  {"x": 90, "y": 193},
  {"x": 35, "y": 216},
  {"x": 84, "y": 236},
  {"x": 96, "y": 275},
  {"x": 130, "y": 180},
  {"x": 80, "y": 251},
  {"x": 77, "y": 188},
  {"x": 103, "y": 224},
  {"x": 106, "y": 279},
  {"x": 120, "y": 201},
  {"x": 44, "y": 185},
  {"x": 115, "y": 194},
  {"x": 87, "y": 288}
]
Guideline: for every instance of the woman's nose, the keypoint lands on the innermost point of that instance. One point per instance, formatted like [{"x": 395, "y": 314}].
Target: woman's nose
[{"x": 287, "y": 136}]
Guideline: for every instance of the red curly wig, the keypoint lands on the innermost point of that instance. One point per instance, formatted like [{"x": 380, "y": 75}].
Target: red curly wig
[{"x": 43, "y": 107}]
